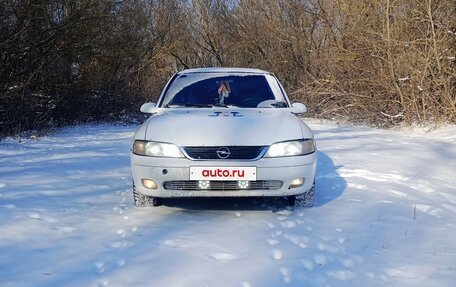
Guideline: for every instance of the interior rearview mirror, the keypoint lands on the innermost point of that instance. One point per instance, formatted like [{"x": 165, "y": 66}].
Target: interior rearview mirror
[
  {"x": 299, "y": 108},
  {"x": 148, "y": 108}
]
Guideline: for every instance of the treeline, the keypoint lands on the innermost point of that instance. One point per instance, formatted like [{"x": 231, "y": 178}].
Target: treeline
[{"x": 377, "y": 61}]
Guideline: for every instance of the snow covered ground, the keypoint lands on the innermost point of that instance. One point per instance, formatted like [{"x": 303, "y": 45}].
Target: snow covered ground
[{"x": 385, "y": 215}]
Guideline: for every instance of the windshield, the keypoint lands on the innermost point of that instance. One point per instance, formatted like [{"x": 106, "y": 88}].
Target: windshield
[{"x": 224, "y": 90}]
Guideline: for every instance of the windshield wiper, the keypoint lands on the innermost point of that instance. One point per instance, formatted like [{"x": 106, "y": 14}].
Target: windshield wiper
[
  {"x": 192, "y": 105},
  {"x": 220, "y": 105},
  {"x": 198, "y": 105},
  {"x": 189, "y": 106},
  {"x": 279, "y": 104}
]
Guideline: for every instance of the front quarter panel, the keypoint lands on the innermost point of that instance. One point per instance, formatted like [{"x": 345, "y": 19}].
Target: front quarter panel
[
  {"x": 306, "y": 131},
  {"x": 141, "y": 131}
]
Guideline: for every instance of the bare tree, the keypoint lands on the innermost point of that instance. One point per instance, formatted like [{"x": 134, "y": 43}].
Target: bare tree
[{"x": 381, "y": 62}]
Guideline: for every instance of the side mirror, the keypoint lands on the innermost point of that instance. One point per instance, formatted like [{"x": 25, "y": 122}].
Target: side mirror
[
  {"x": 298, "y": 108},
  {"x": 148, "y": 108}
]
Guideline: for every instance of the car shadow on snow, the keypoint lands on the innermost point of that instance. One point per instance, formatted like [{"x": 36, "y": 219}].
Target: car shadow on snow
[
  {"x": 329, "y": 186},
  {"x": 227, "y": 203}
]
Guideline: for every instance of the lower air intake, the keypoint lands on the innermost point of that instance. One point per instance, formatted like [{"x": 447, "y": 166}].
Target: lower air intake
[{"x": 222, "y": 185}]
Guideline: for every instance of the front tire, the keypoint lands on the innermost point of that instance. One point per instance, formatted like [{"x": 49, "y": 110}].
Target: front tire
[
  {"x": 305, "y": 199},
  {"x": 142, "y": 200}
]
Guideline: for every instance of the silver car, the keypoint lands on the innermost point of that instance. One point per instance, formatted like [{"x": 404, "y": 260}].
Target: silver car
[{"x": 223, "y": 132}]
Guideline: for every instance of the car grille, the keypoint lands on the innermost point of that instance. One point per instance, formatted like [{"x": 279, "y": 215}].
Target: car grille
[
  {"x": 223, "y": 185},
  {"x": 236, "y": 152}
]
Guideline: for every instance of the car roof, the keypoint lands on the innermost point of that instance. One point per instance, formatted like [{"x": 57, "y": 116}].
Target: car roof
[{"x": 224, "y": 70}]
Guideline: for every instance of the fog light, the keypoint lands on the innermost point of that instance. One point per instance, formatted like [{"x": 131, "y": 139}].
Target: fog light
[
  {"x": 148, "y": 183},
  {"x": 297, "y": 182},
  {"x": 243, "y": 184},
  {"x": 204, "y": 184}
]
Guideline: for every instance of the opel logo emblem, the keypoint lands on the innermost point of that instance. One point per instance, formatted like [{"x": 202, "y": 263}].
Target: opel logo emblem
[{"x": 223, "y": 152}]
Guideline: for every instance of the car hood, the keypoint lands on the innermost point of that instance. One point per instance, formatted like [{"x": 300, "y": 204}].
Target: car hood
[{"x": 224, "y": 127}]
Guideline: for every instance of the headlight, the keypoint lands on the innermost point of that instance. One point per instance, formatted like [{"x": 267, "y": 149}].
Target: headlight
[
  {"x": 156, "y": 149},
  {"x": 291, "y": 148}
]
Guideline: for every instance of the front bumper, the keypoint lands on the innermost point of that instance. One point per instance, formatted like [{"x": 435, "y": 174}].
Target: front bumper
[{"x": 284, "y": 169}]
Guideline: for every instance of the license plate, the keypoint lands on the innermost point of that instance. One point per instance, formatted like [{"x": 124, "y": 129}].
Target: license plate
[{"x": 222, "y": 173}]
